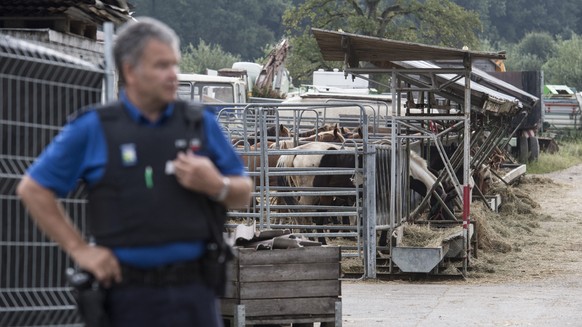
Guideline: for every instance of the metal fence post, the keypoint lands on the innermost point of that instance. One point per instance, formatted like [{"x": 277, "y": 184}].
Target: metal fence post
[
  {"x": 370, "y": 213},
  {"x": 109, "y": 64}
]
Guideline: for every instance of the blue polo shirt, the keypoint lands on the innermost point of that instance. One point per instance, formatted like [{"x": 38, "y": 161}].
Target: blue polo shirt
[{"x": 79, "y": 152}]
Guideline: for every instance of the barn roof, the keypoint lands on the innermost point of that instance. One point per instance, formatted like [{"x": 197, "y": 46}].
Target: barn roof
[
  {"x": 483, "y": 85},
  {"x": 94, "y": 11},
  {"x": 385, "y": 53},
  {"x": 33, "y": 62},
  {"x": 11, "y": 47},
  {"x": 335, "y": 46},
  {"x": 82, "y": 17}
]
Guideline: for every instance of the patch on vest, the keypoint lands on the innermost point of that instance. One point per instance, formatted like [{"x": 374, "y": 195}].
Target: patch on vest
[{"x": 128, "y": 154}]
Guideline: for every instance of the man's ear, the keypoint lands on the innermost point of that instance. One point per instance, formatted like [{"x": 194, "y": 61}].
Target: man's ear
[{"x": 128, "y": 73}]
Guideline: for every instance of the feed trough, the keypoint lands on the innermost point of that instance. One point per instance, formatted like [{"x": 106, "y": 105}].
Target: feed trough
[{"x": 418, "y": 259}]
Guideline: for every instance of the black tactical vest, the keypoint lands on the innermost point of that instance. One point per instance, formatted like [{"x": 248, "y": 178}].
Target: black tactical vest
[{"x": 137, "y": 203}]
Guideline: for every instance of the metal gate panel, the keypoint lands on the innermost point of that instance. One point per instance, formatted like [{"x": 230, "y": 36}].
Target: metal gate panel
[
  {"x": 39, "y": 88},
  {"x": 248, "y": 125}
]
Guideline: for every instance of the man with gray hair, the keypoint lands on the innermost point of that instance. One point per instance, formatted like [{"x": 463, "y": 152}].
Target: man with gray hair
[{"x": 160, "y": 175}]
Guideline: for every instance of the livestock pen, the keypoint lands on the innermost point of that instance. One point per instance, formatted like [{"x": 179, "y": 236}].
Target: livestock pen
[
  {"x": 373, "y": 190},
  {"x": 376, "y": 193}
]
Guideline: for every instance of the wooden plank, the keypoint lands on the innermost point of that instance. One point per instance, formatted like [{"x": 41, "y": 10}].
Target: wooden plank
[
  {"x": 289, "y": 307},
  {"x": 281, "y": 320},
  {"x": 232, "y": 290},
  {"x": 287, "y": 320},
  {"x": 290, "y": 289},
  {"x": 233, "y": 268},
  {"x": 516, "y": 172},
  {"x": 289, "y": 272},
  {"x": 311, "y": 254},
  {"x": 228, "y": 308}
]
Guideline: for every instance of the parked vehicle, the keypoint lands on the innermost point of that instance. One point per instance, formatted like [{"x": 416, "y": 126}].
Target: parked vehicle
[
  {"x": 562, "y": 106},
  {"x": 211, "y": 89}
]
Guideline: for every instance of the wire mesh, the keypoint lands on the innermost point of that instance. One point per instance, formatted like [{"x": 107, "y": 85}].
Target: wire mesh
[{"x": 39, "y": 88}]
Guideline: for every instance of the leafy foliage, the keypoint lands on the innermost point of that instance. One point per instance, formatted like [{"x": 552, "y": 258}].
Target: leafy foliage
[
  {"x": 532, "y": 52},
  {"x": 430, "y": 21},
  {"x": 566, "y": 66},
  {"x": 542, "y": 45},
  {"x": 523, "y": 61},
  {"x": 305, "y": 58},
  {"x": 205, "y": 56},
  {"x": 537, "y": 34},
  {"x": 560, "y": 60},
  {"x": 511, "y": 20},
  {"x": 241, "y": 27}
]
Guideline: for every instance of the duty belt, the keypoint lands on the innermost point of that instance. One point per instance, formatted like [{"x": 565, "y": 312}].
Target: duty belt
[{"x": 169, "y": 275}]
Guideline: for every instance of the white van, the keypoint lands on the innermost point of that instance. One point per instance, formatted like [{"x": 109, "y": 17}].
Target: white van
[{"x": 211, "y": 89}]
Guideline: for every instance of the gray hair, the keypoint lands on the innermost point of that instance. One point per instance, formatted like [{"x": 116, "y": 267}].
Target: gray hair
[{"x": 133, "y": 37}]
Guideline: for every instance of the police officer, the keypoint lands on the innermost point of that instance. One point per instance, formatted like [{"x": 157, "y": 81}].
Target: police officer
[{"x": 155, "y": 168}]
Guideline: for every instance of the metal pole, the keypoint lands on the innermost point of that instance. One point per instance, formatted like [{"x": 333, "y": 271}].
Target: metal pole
[
  {"x": 338, "y": 314},
  {"x": 370, "y": 210},
  {"x": 239, "y": 315},
  {"x": 466, "y": 162},
  {"x": 109, "y": 64},
  {"x": 395, "y": 108},
  {"x": 393, "y": 195}
]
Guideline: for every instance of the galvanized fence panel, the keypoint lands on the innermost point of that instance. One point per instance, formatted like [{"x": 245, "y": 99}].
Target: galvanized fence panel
[
  {"x": 247, "y": 126},
  {"x": 39, "y": 88}
]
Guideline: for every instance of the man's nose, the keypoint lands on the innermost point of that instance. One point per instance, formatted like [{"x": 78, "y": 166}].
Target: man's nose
[{"x": 173, "y": 74}]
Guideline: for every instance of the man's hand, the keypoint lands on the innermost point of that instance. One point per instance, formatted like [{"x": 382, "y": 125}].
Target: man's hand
[
  {"x": 100, "y": 262},
  {"x": 51, "y": 218},
  {"x": 197, "y": 173}
]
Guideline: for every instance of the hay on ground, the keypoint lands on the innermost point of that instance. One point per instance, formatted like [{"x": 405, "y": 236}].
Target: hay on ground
[
  {"x": 417, "y": 235},
  {"x": 500, "y": 234}
]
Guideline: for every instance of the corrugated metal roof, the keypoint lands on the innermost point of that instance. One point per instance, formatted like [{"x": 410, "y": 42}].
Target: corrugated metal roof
[
  {"x": 28, "y": 62},
  {"x": 458, "y": 85},
  {"x": 334, "y": 46},
  {"x": 491, "y": 81},
  {"x": 95, "y": 11},
  {"x": 13, "y": 47},
  {"x": 353, "y": 48}
]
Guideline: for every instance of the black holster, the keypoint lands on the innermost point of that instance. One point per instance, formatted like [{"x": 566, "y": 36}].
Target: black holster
[
  {"x": 215, "y": 262},
  {"x": 90, "y": 297},
  {"x": 215, "y": 266}
]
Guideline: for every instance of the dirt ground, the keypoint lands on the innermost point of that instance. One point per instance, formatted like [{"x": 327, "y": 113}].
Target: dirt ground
[
  {"x": 530, "y": 273},
  {"x": 547, "y": 241}
]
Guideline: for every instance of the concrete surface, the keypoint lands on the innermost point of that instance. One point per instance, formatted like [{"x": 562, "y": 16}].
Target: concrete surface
[{"x": 555, "y": 302}]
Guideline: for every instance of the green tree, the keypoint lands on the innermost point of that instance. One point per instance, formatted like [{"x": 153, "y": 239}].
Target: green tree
[
  {"x": 511, "y": 20},
  {"x": 436, "y": 22},
  {"x": 517, "y": 61},
  {"x": 304, "y": 58},
  {"x": 240, "y": 27},
  {"x": 566, "y": 66},
  {"x": 541, "y": 45},
  {"x": 531, "y": 53},
  {"x": 198, "y": 59}
]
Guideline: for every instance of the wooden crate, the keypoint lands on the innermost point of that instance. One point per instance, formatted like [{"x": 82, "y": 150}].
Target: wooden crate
[{"x": 284, "y": 286}]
